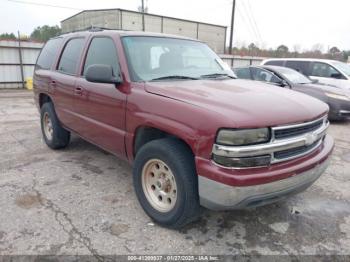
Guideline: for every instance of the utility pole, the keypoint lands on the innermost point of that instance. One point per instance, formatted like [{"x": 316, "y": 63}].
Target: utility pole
[
  {"x": 143, "y": 14},
  {"x": 232, "y": 25}
]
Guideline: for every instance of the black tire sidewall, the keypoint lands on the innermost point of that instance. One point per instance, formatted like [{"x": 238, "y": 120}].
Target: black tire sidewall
[{"x": 182, "y": 170}]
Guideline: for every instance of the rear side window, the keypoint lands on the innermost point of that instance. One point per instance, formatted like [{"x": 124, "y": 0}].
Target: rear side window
[
  {"x": 300, "y": 66},
  {"x": 70, "y": 56},
  {"x": 49, "y": 53},
  {"x": 243, "y": 73},
  {"x": 102, "y": 51},
  {"x": 275, "y": 62}
]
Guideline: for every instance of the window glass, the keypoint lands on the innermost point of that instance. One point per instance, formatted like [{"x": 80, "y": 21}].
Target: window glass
[
  {"x": 265, "y": 76},
  {"x": 323, "y": 70},
  {"x": 293, "y": 76},
  {"x": 342, "y": 66},
  {"x": 300, "y": 66},
  {"x": 275, "y": 63},
  {"x": 49, "y": 53},
  {"x": 155, "y": 57},
  {"x": 102, "y": 51},
  {"x": 243, "y": 73},
  {"x": 70, "y": 56}
]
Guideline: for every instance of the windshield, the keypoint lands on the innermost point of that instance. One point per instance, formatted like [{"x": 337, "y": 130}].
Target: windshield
[
  {"x": 164, "y": 59},
  {"x": 343, "y": 67},
  {"x": 294, "y": 76}
]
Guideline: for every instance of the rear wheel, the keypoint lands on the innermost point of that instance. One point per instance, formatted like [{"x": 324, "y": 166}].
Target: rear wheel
[
  {"x": 54, "y": 134},
  {"x": 165, "y": 182}
]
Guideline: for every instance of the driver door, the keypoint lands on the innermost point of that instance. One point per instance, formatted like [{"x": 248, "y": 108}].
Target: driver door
[{"x": 100, "y": 107}]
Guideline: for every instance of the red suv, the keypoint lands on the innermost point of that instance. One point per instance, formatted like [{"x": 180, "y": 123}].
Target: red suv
[{"x": 171, "y": 107}]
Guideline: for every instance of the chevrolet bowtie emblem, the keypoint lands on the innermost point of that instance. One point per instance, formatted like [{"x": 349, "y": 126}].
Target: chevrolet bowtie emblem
[{"x": 310, "y": 139}]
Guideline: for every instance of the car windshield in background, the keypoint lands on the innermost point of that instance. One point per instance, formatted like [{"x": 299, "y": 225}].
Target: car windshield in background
[
  {"x": 294, "y": 76},
  {"x": 343, "y": 67},
  {"x": 164, "y": 59}
]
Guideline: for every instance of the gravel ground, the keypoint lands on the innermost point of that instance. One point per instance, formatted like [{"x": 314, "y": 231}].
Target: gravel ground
[{"x": 81, "y": 201}]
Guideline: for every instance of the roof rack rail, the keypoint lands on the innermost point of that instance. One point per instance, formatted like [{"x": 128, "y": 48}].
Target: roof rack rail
[{"x": 90, "y": 29}]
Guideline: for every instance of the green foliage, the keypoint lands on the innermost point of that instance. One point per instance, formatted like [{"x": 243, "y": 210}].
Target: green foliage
[
  {"x": 44, "y": 33},
  {"x": 8, "y": 36}
]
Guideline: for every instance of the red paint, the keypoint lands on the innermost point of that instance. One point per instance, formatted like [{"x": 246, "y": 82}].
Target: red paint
[{"x": 194, "y": 111}]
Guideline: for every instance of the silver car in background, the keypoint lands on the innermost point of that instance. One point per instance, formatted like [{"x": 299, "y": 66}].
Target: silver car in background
[{"x": 329, "y": 72}]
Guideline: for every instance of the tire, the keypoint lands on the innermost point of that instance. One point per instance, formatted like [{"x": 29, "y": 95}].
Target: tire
[
  {"x": 56, "y": 137},
  {"x": 176, "y": 156}
]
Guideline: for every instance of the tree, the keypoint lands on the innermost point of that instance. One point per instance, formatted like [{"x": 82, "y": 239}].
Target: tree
[
  {"x": 8, "y": 36},
  {"x": 282, "y": 49},
  {"x": 44, "y": 33},
  {"x": 253, "y": 49},
  {"x": 334, "y": 50}
]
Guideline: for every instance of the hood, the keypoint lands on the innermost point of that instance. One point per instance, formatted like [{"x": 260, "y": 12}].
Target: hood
[
  {"x": 331, "y": 89},
  {"x": 243, "y": 103}
]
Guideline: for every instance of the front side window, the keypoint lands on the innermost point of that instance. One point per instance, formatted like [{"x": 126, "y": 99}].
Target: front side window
[
  {"x": 259, "y": 74},
  {"x": 343, "y": 67},
  {"x": 49, "y": 53},
  {"x": 151, "y": 58},
  {"x": 71, "y": 55},
  {"x": 323, "y": 70},
  {"x": 102, "y": 51}
]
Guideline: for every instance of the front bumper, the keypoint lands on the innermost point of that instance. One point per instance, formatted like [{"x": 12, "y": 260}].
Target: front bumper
[
  {"x": 217, "y": 196},
  {"x": 223, "y": 196}
]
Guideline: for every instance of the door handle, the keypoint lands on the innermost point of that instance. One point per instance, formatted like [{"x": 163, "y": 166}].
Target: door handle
[
  {"x": 53, "y": 83},
  {"x": 79, "y": 90}
]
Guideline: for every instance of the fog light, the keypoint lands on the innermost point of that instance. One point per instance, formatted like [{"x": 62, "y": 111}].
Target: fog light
[{"x": 241, "y": 162}]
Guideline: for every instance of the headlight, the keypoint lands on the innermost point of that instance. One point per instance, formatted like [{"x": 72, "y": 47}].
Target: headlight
[
  {"x": 243, "y": 136},
  {"x": 336, "y": 96}
]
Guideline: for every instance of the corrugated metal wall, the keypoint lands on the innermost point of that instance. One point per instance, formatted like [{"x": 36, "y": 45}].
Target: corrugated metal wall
[
  {"x": 10, "y": 64},
  {"x": 213, "y": 35}
]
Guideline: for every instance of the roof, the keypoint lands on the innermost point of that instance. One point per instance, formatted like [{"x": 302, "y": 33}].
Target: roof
[
  {"x": 300, "y": 59},
  {"x": 119, "y": 9},
  {"x": 127, "y": 33}
]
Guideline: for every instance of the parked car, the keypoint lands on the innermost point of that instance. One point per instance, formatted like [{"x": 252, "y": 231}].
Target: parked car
[
  {"x": 194, "y": 135},
  {"x": 337, "y": 99},
  {"x": 329, "y": 72}
]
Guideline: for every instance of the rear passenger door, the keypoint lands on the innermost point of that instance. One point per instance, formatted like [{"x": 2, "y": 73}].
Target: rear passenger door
[
  {"x": 100, "y": 107},
  {"x": 63, "y": 81}
]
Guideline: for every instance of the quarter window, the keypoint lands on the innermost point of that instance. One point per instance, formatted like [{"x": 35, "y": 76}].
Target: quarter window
[
  {"x": 49, "y": 53},
  {"x": 102, "y": 51},
  {"x": 70, "y": 56}
]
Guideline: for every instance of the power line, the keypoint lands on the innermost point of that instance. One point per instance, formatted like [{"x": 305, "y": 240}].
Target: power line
[
  {"x": 243, "y": 18},
  {"x": 254, "y": 20},
  {"x": 41, "y": 4},
  {"x": 250, "y": 21}
]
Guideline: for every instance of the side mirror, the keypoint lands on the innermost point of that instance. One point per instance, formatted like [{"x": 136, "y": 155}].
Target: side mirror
[
  {"x": 337, "y": 76},
  {"x": 284, "y": 83},
  {"x": 101, "y": 74}
]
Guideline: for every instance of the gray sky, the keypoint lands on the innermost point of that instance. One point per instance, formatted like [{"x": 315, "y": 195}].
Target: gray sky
[{"x": 296, "y": 23}]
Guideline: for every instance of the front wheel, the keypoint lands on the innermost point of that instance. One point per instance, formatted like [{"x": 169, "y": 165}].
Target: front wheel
[{"x": 165, "y": 182}]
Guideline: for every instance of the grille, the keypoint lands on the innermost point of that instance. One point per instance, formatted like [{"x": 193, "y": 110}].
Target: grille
[
  {"x": 299, "y": 130},
  {"x": 285, "y": 154}
]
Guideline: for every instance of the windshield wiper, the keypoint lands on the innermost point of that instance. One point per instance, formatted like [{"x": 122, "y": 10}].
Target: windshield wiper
[
  {"x": 217, "y": 75},
  {"x": 175, "y": 77}
]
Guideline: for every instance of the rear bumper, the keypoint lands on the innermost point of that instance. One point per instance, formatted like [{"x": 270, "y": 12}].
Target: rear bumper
[{"x": 217, "y": 195}]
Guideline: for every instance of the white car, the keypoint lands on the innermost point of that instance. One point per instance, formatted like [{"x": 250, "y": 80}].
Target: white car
[{"x": 329, "y": 72}]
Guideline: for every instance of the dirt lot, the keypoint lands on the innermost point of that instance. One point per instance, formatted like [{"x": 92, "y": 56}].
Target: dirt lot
[{"x": 81, "y": 201}]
